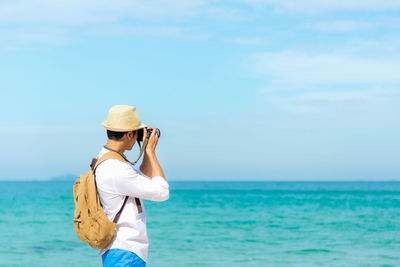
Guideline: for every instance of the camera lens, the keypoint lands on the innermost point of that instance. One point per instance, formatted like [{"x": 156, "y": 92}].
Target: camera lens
[
  {"x": 149, "y": 131},
  {"x": 140, "y": 135}
]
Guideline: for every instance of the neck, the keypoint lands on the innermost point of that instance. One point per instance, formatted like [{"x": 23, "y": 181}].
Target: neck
[{"x": 116, "y": 145}]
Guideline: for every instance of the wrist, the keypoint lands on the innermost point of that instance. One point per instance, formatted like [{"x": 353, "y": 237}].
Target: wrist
[{"x": 150, "y": 153}]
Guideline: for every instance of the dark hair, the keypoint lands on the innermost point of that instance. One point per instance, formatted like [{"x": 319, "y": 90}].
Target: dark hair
[
  {"x": 115, "y": 135},
  {"x": 118, "y": 135}
]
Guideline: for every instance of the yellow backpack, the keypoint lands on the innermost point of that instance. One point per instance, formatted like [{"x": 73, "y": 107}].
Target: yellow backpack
[{"x": 91, "y": 223}]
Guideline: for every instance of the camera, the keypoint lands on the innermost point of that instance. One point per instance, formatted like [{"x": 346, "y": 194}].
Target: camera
[{"x": 149, "y": 131}]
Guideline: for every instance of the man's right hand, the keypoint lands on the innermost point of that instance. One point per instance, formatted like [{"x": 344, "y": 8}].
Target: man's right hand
[
  {"x": 150, "y": 165},
  {"x": 152, "y": 143}
]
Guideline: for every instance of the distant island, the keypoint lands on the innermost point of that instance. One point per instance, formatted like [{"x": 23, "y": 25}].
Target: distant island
[{"x": 65, "y": 177}]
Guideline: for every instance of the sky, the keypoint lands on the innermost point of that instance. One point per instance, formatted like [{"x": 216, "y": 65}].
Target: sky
[{"x": 242, "y": 90}]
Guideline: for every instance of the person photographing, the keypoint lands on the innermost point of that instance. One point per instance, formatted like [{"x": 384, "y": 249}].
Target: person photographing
[{"x": 121, "y": 188}]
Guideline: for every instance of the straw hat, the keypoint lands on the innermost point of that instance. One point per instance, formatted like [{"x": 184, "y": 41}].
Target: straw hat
[{"x": 122, "y": 118}]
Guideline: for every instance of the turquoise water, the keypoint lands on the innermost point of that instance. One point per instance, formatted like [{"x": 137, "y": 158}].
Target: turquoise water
[{"x": 219, "y": 224}]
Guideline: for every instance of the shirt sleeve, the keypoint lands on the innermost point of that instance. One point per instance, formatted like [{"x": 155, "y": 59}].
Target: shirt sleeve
[{"x": 131, "y": 182}]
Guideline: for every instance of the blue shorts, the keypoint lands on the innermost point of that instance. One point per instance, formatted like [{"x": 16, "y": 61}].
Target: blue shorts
[{"x": 122, "y": 258}]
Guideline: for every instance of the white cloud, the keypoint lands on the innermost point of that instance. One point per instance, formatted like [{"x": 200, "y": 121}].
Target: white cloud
[
  {"x": 340, "y": 96},
  {"x": 300, "y": 69},
  {"x": 355, "y": 25},
  {"x": 223, "y": 12},
  {"x": 27, "y": 37},
  {"x": 91, "y": 11},
  {"x": 354, "y": 90},
  {"x": 24, "y": 24},
  {"x": 78, "y": 12},
  {"x": 320, "y": 6},
  {"x": 162, "y": 17},
  {"x": 371, "y": 108},
  {"x": 313, "y": 101},
  {"x": 164, "y": 31},
  {"x": 343, "y": 26},
  {"x": 20, "y": 129}
]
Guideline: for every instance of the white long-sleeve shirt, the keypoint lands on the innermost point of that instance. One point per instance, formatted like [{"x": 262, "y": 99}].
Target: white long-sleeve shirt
[{"x": 115, "y": 180}]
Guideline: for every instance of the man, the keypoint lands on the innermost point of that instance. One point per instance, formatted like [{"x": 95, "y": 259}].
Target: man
[{"x": 115, "y": 180}]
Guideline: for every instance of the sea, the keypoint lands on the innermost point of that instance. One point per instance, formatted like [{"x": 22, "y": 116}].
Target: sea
[{"x": 218, "y": 224}]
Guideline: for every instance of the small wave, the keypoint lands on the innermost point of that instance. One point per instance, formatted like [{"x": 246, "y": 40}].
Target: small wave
[
  {"x": 56, "y": 245},
  {"x": 308, "y": 251}
]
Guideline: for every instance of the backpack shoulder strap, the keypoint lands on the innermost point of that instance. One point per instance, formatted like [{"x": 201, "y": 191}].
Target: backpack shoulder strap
[
  {"x": 106, "y": 156},
  {"x": 115, "y": 155}
]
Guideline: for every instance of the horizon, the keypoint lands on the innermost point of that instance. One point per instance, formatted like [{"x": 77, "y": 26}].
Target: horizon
[
  {"x": 73, "y": 178},
  {"x": 263, "y": 90}
]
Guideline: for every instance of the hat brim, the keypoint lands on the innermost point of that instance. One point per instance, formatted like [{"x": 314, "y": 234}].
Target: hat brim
[{"x": 108, "y": 127}]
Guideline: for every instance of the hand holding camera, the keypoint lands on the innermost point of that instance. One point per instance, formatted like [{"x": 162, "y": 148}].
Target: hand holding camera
[{"x": 152, "y": 134}]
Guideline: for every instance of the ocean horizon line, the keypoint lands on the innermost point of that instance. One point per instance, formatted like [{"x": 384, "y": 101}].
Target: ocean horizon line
[{"x": 223, "y": 181}]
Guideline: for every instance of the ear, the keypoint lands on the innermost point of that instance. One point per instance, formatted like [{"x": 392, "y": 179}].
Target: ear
[{"x": 126, "y": 136}]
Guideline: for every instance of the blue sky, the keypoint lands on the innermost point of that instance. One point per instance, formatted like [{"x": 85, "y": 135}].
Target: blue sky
[{"x": 241, "y": 90}]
